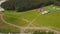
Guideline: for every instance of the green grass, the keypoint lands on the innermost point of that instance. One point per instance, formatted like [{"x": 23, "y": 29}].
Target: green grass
[
  {"x": 16, "y": 18},
  {"x": 4, "y": 28},
  {"x": 51, "y": 19}
]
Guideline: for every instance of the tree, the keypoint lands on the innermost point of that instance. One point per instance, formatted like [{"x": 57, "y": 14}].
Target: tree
[
  {"x": 9, "y": 5},
  {"x": 57, "y": 2},
  {"x": 23, "y": 5}
]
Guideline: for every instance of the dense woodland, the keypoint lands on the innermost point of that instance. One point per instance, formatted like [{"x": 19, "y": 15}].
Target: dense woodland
[{"x": 23, "y": 5}]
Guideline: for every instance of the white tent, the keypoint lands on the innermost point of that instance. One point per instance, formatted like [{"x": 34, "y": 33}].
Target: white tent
[{"x": 44, "y": 12}]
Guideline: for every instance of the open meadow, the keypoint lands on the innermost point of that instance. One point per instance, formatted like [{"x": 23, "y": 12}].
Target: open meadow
[{"x": 52, "y": 19}]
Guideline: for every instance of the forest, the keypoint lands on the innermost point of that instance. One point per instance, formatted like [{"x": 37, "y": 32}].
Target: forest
[{"x": 24, "y": 5}]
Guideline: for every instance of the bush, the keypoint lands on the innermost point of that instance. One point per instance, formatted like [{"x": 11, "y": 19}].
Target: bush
[{"x": 42, "y": 32}]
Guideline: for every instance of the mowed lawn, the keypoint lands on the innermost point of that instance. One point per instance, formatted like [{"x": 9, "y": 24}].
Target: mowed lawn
[
  {"x": 17, "y": 18},
  {"x": 50, "y": 19},
  {"x": 4, "y": 28}
]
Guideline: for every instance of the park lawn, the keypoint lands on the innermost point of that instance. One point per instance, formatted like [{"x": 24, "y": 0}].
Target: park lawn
[
  {"x": 4, "y": 28},
  {"x": 50, "y": 19},
  {"x": 29, "y": 15},
  {"x": 15, "y": 21},
  {"x": 16, "y": 18}
]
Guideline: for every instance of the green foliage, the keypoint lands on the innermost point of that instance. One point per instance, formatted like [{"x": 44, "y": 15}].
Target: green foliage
[
  {"x": 23, "y": 5},
  {"x": 9, "y": 5},
  {"x": 42, "y": 32},
  {"x": 57, "y": 2}
]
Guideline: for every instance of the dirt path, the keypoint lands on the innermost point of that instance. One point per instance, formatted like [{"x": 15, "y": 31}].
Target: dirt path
[
  {"x": 27, "y": 27},
  {"x": 31, "y": 22},
  {"x": 1, "y": 17},
  {"x": 43, "y": 28}
]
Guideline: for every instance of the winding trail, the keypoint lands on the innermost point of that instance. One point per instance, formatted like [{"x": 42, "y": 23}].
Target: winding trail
[
  {"x": 31, "y": 22},
  {"x": 27, "y": 27},
  {"x": 43, "y": 28},
  {"x": 1, "y": 17}
]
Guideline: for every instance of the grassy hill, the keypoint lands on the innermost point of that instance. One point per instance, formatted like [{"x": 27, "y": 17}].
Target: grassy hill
[{"x": 24, "y": 18}]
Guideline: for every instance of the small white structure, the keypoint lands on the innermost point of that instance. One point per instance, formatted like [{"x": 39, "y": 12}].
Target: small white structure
[{"x": 44, "y": 12}]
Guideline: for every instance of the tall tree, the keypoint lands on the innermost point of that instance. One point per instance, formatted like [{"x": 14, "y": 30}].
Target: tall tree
[{"x": 22, "y": 5}]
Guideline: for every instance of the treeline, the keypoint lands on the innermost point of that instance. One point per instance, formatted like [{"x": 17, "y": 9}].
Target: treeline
[
  {"x": 57, "y": 2},
  {"x": 23, "y": 5}
]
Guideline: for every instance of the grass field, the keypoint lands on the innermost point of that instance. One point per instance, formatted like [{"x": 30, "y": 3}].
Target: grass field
[
  {"x": 4, "y": 28},
  {"x": 19, "y": 18}
]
